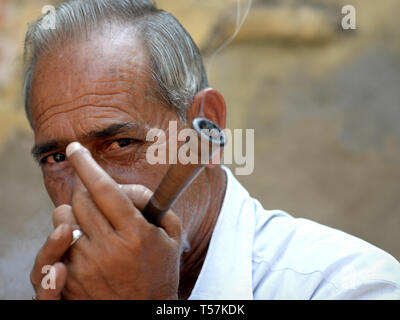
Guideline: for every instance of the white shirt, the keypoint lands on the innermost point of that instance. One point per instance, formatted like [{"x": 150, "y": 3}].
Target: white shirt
[{"x": 267, "y": 254}]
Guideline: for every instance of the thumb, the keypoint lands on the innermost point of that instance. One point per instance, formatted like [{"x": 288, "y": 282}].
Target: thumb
[
  {"x": 140, "y": 196},
  {"x": 54, "y": 293}
]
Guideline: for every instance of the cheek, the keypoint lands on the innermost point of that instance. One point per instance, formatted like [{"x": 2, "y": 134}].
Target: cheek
[
  {"x": 147, "y": 175},
  {"x": 59, "y": 188}
]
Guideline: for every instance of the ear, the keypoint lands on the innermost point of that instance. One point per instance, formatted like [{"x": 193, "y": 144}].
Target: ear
[{"x": 209, "y": 104}]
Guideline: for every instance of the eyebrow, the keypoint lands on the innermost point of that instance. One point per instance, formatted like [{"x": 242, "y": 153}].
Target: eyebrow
[
  {"x": 40, "y": 149},
  {"x": 112, "y": 130}
]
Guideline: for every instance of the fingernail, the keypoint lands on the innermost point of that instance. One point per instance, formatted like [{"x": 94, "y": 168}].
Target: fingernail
[
  {"x": 72, "y": 147},
  {"x": 58, "y": 232}
]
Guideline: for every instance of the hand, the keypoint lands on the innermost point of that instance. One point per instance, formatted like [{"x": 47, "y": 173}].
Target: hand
[
  {"x": 51, "y": 254},
  {"x": 121, "y": 256}
]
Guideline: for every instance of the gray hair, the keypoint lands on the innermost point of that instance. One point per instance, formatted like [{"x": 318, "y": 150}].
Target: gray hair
[{"x": 176, "y": 65}]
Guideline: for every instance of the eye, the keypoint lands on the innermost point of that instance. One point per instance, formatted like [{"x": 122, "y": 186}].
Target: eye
[
  {"x": 120, "y": 143},
  {"x": 124, "y": 142},
  {"x": 54, "y": 158}
]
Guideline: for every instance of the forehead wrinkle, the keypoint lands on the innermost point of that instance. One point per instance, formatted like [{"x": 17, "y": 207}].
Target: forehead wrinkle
[
  {"x": 103, "y": 84},
  {"x": 107, "y": 109},
  {"x": 78, "y": 59},
  {"x": 114, "y": 100},
  {"x": 76, "y": 100}
]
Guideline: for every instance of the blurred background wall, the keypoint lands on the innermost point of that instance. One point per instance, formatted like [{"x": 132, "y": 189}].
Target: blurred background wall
[{"x": 324, "y": 103}]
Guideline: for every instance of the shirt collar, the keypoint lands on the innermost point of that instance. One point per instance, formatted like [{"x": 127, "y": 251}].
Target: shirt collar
[{"x": 227, "y": 269}]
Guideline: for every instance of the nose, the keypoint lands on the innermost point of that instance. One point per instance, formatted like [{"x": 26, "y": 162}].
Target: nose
[{"x": 69, "y": 187}]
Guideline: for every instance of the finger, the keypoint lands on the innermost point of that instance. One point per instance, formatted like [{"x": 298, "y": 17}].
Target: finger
[
  {"x": 105, "y": 192},
  {"x": 64, "y": 214},
  {"x": 172, "y": 225},
  {"x": 88, "y": 216},
  {"x": 50, "y": 291},
  {"x": 140, "y": 195},
  {"x": 52, "y": 251}
]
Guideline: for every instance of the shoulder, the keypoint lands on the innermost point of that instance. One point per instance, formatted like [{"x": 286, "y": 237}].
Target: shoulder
[{"x": 302, "y": 259}]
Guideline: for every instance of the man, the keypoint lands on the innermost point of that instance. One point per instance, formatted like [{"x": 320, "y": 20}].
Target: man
[{"x": 94, "y": 86}]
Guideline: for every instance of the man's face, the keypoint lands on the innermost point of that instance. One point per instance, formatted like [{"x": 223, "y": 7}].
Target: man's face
[{"x": 98, "y": 93}]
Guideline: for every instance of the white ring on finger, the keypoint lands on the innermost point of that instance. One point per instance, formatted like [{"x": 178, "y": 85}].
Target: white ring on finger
[{"x": 76, "y": 235}]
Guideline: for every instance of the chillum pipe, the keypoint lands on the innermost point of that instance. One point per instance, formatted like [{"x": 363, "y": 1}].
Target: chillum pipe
[{"x": 179, "y": 176}]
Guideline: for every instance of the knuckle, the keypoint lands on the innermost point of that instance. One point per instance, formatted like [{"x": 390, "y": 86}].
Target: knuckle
[
  {"x": 144, "y": 190},
  {"x": 60, "y": 212},
  {"x": 139, "y": 194},
  {"x": 62, "y": 208},
  {"x": 177, "y": 223}
]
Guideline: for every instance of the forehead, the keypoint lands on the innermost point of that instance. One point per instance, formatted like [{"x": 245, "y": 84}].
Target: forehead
[{"x": 90, "y": 71}]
